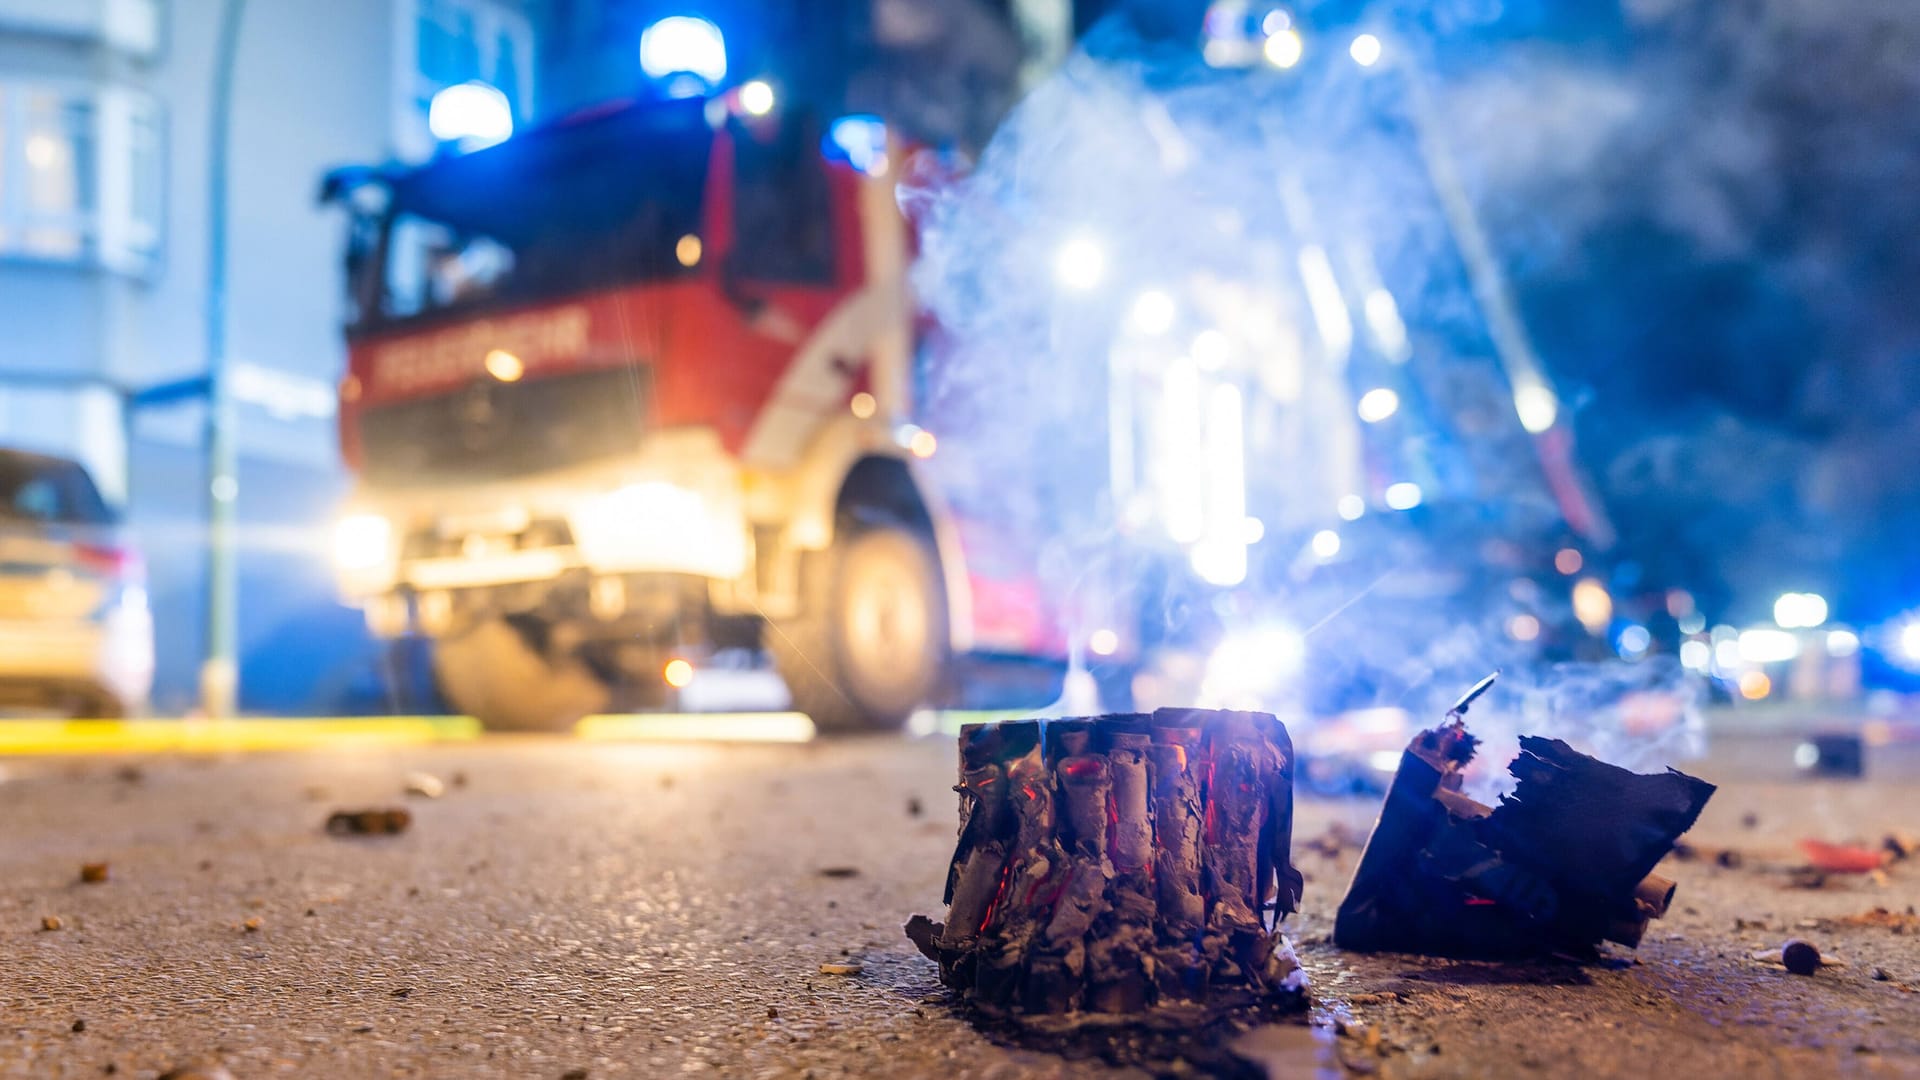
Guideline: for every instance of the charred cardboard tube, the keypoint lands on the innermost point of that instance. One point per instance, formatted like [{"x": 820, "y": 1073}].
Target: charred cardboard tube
[
  {"x": 1563, "y": 863},
  {"x": 1238, "y": 804},
  {"x": 1655, "y": 894},
  {"x": 1176, "y": 839},
  {"x": 1121, "y": 867},
  {"x": 1132, "y": 841},
  {"x": 986, "y": 826}
]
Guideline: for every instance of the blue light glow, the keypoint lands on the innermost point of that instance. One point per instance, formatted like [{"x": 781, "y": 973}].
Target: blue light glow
[
  {"x": 1634, "y": 641},
  {"x": 473, "y": 114},
  {"x": 860, "y": 141},
  {"x": 684, "y": 45},
  {"x": 1404, "y": 495}
]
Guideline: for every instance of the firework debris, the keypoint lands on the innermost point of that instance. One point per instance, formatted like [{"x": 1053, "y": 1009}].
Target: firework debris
[
  {"x": 1337, "y": 840},
  {"x": 93, "y": 873},
  {"x": 424, "y": 785},
  {"x": 1878, "y": 918},
  {"x": 1725, "y": 858},
  {"x": 1797, "y": 956},
  {"x": 51, "y": 922},
  {"x": 1119, "y": 870},
  {"x": 1563, "y": 863},
  {"x": 1805, "y": 877},
  {"x": 378, "y": 822},
  {"x": 207, "y": 1071},
  {"x": 1800, "y": 957},
  {"x": 1842, "y": 858}
]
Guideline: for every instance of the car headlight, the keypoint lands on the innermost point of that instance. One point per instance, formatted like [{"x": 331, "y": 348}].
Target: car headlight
[{"x": 362, "y": 542}]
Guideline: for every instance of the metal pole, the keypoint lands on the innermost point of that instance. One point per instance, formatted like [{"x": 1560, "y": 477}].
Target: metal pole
[
  {"x": 1511, "y": 341},
  {"x": 220, "y": 671}
]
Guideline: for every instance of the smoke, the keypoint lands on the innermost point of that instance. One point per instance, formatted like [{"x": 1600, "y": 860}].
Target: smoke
[
  {"x": 1145, "y": 234},
  {"x": 1704, "y": 209},
  {"x": 1642, "y": 717}
]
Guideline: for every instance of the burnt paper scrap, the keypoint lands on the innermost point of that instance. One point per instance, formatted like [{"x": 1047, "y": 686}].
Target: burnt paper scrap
[{"x": 1562, "y": 864}]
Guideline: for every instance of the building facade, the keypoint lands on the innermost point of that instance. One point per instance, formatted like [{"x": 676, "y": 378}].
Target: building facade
[
  {"x": 105, "y": 122},
  {"x": 106, "y": 117}
]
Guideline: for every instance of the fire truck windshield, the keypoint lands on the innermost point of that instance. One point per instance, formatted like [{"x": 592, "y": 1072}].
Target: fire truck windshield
[{"x": 584, "y": 204}]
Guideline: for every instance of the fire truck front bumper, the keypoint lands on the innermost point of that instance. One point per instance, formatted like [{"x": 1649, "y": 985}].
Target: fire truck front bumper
[
  {"x": 635, "y": 608},
  {"x": 591, "y": 550}
]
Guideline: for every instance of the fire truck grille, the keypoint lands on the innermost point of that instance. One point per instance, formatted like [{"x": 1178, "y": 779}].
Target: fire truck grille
[
  {"x": 490, "y": 430},
  {"x": 540, "y": 533}
]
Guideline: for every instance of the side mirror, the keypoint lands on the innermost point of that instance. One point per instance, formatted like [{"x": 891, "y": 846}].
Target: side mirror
[{"x": 733, "y": 285}]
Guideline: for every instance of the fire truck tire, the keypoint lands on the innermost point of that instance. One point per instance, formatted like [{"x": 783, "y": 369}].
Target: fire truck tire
[
  {"x": 873, "y": 645},
  {"x": 491, "y": 673}
]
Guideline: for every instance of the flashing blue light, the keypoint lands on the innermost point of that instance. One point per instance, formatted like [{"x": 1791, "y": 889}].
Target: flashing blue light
[
  {"x": 860, "y": 141},
  {"x": 681, "y": 45},
  {"x": 1634, "y": 641},
  {"x": 472, "y": 114},
  {"x": 1404, "y": 495},
  {"x": 1906, "y": 643}
]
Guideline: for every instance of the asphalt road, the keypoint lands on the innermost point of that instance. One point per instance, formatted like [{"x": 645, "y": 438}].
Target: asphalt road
[{"x": 649, "y": 910}]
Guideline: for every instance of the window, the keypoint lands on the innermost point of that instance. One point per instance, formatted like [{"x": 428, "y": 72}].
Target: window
[
  {"x": 434, "y": 268},
  {"x": 147, "y": 204},
  {"x": 448, "y": 53},
  {"x": 517, "y": 222},
  {"x": 45, "y": 489},
  {"x": 80, "y": 175},
  {"x": 132, "y": 27},
  {"x": 457, "y": 41},
  {"x": 54, "y": 196},
  {"x": 782, "y": 216}
]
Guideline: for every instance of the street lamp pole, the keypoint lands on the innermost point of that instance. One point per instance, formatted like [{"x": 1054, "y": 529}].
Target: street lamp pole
[{"x": 219, "y": 671}]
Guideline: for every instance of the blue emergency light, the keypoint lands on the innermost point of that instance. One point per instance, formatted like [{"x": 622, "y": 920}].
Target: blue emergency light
[
  {"x": 859, "y": 140},
  {"x": 686, "y": 53}
]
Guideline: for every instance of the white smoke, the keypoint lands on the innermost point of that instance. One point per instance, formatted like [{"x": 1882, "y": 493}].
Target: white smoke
[{"x": 1212, "y": 187}]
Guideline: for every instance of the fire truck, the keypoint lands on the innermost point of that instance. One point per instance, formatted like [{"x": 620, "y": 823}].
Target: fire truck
[
  {"x": 636, "y": 388},
  {"x": 644, "y": 390}
]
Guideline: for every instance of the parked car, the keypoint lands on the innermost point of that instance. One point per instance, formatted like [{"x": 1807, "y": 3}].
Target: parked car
[{"x": 76, "y": 635}]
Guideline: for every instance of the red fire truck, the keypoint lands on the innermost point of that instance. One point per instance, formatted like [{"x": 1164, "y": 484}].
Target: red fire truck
[{"x": 634, "y": 388}]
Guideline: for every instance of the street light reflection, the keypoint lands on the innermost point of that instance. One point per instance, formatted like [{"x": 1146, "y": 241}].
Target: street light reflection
[
  {"x": 770, "y": 727},
  {"x": 153, "y": 736}
]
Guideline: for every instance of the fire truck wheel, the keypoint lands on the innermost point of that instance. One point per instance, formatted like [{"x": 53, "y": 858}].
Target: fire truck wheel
[
  {"x": 873, "y": 644},
  {"x": 491, "y": 673}
]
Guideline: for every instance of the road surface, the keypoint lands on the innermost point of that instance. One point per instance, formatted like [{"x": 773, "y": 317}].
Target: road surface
[{"x": 658, "y": 909}]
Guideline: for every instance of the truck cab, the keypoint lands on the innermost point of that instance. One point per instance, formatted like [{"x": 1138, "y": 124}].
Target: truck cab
[{"x": 634, "y": 388}]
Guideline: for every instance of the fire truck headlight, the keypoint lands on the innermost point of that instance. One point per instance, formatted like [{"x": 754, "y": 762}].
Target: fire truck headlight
[
  {"x": 362, "y": 542},
  {"x": 655, "y": 525},
  {"x": 612, "y": 518}
]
